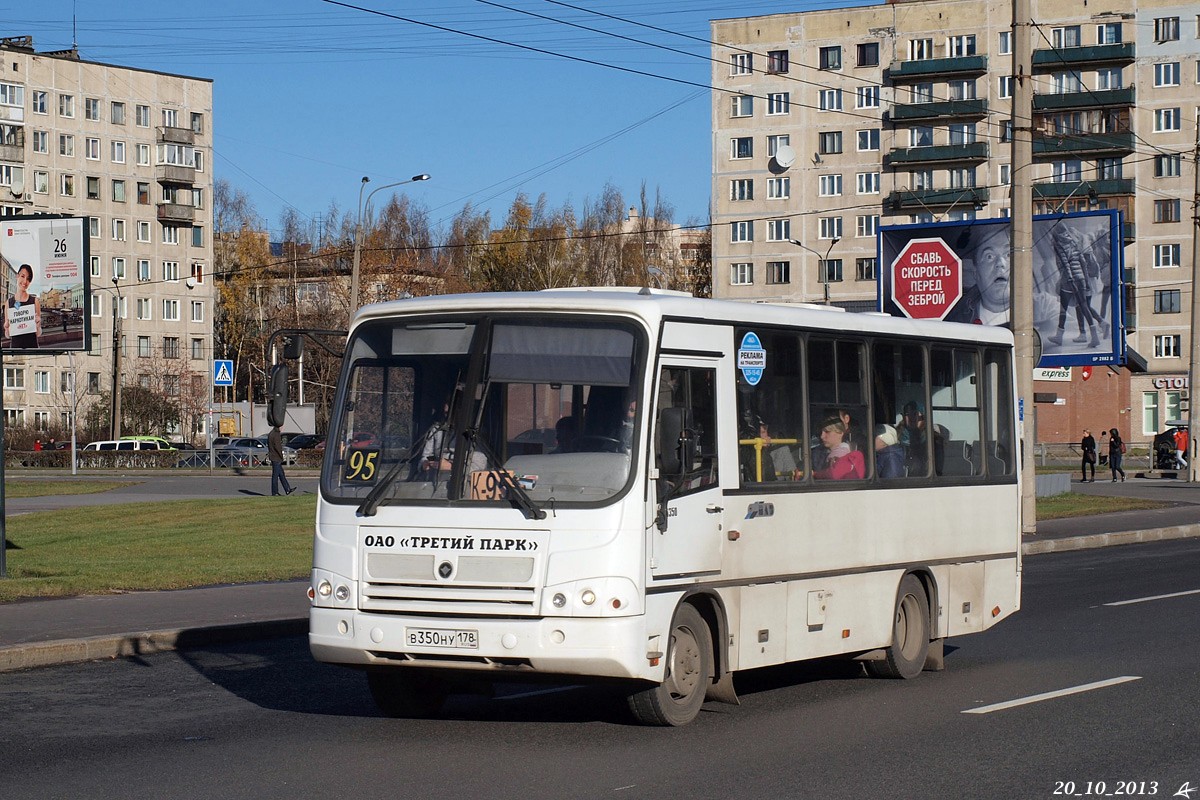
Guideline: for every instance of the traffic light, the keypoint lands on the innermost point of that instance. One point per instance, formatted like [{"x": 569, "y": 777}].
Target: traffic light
[{"x": 277, "y": 402}]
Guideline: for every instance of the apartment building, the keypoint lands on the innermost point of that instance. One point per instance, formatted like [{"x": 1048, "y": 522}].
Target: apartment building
[
  {"x": 130, "y": 150},
  {"x": 828, "y": 124}
]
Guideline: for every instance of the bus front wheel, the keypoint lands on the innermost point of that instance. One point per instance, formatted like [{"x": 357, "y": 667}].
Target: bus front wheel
[
  {"x": 905, "y": 658},
  {"x": 677, "y": 700},
  {"x": 405, "y": 692}
]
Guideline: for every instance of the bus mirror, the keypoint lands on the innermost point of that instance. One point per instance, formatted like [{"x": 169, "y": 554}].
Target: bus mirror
[
  {"x": 277, "y": 402},
  {"x": 676, "y": 447},
  {"x": 293, "y": 346}
]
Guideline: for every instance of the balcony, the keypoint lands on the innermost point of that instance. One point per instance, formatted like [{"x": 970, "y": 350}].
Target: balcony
[
  {"x": 937, "y": 68},
  {"x": 167, "y": 135},
  {"x": 913, "y": 156},
  {"x": 1069, "y": 188},
  {"x": 1050, "y": 59},
  {"x": 940, "y": 110},
  {"x": 12, "y": 152},
  {"x": 917, "y": 199},
  {"x": 1103, "y": 98},
  {"x": 176, "y": 214},
  {"x": 176, "y": 174},
  {"x": 1047, "y": 145}
]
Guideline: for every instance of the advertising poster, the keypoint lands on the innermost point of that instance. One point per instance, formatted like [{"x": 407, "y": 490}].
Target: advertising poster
[
  {"x": 961, "y": 272},
  {"x": 44, "y": 267}
]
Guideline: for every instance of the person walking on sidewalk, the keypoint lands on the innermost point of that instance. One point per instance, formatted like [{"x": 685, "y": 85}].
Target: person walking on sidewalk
[
  {"x": 275, "y": 453},
  {"x": 1181, "y": 446},
  {"x": 1116, "y": 449},
  {"x": 1088, "y": 446}
]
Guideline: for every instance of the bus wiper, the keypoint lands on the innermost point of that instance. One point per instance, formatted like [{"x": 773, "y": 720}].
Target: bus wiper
[
  {"x": 516, "y": 492},
  {"x": 371, "y": 502}
]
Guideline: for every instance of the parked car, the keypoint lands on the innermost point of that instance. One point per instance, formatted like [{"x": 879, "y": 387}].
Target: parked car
[
  {"x": 289, "y": 453},
  {"x": 153, "y": 441},
  {"x": 123, "y": 444},
  {"x": 304, "y": 441},
  {"x": 242, "y": 451}
]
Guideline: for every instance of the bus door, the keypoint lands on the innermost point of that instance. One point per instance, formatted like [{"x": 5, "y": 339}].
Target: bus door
[{"x": 687, "y": 494}]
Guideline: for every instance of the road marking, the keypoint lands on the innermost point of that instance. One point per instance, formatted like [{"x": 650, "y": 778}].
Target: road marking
[
  {"x": 1037, "y": 698},
  {"x": 1155, "y": 597}
]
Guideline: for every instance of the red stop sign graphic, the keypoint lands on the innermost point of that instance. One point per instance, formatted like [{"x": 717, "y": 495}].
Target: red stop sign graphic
[{"x": 926, "y": 279}]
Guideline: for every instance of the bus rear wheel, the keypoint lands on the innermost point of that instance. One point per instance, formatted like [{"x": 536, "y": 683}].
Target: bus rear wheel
[
  {"x": 677, "y": 700},
  {"x": 408, "y": 693},
  {"x": 905, "y": 658}
]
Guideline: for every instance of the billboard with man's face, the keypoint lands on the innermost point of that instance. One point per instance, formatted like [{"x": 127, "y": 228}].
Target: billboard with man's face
[
  {"x": 45, "y": 279},
  {"x": 961, "y": 272}
]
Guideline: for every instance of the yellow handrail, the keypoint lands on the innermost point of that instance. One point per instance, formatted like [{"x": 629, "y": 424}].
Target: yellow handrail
[{"x": 758, "y": 443}]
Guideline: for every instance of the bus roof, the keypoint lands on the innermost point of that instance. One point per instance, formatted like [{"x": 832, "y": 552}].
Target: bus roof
[{"x": 654, "y": 306}]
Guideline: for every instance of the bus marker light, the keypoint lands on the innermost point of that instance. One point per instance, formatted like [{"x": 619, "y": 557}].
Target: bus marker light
[
  {"x": 996, "y": 611},
  {"x": 734, "y": 535},
  {"x": 559, "y": 600},
  {"x": 616, "y": 602},
  {"x": 846, "y": 633},
  {"x": 588, "y": 597},
  {"x": 342, "y": 593},
  {"x": 312, "y": 595},
  {"x": 653, "y": 657}
]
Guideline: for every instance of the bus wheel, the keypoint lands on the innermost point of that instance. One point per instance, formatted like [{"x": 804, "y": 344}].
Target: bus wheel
[
  {"x": 905, "y": 658},
  {"x": 400, "y": 692},
  {"x": 677, "y": 700}
]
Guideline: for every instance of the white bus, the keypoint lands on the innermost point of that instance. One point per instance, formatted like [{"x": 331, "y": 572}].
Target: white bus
[{"x": 650, "y": 488}]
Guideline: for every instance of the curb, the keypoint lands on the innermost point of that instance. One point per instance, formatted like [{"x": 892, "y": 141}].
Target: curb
[
  {"x": 125, "y": 645},
  {"x": 1109, "y": 539}
]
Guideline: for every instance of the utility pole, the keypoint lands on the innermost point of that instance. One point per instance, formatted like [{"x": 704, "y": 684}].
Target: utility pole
[
  {"x": 1194, "y": 347},
  {"x": 1027, "y": 351}
]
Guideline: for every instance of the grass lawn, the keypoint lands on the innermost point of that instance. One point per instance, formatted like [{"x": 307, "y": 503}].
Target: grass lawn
[
  {"x": 158, "y": 546},
  {"x": 51, "y": 488},
  {"x": 1083, "y": 505}
]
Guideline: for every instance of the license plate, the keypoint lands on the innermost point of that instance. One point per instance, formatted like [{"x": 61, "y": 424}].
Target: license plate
[{"x": 441, "y": 637}]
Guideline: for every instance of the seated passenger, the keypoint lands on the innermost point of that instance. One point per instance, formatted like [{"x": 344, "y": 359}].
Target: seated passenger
[
  {"x": 564, "y": 435},
  {"x": 841, "y": 463},
  {"x": 889, "y": 455}
]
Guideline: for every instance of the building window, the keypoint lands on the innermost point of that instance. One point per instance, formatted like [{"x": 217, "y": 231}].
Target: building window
[
  {"x": 830, "y": 228},
  {"x": 116, "y": 113},
  {"x": 1004, "y": 48},
  {"x": 1166, "y": 29},
  {"x": 41, "y": 182},
  {"x": 830, "y": 185},
  {"x": 779, "y": 188},
  {"x": 1166, "y": 255},
  {"x": 197, "y": 272},
  {"x": 741, "y": 274},
  {"x": 197, "y": 236},
  {"x": 920, "y": 93},
  {"x": 142, "y": 116},
  {"x": 1109, "y": 78},
  {"x": 922, "y": 179},
  {"x": 118, "y": 268},
  {"x": 962, "y": 133},
  {"x": 866, "y": 97},
  {"x": 1168, "y": 166},
  {"x": 95, "y": 266},
  {"x": 93, "y": 188},
  {"x": 920, "y": 49},
  {"x": 742, "y": 105},
  {"x": 143, "y": 193},
  {"x": 741, "y": 147},
  {"x": 1108, "y": 33},
  {"x": 1166, "y": 301},
  {"x": 143, "y": 343},
  {"x": 66, "y": 105},
  {"x": 197, "y": 311},
  {"x": 118, "y": 191},
  {"x": 197, "y": 349},
  {"x": 829, "y": 270},
  {"x": 1166, "y": 119},
  {"x": 779, "y": 230},
  {"x": 66, "y": 144},
  {"x": 741, "y": 64},
  {"x": 145, "y": 308},
  {"x": 778, "y": 103},
  {"x": 864, "y": 269},
  {"x": 143, "y": 155},
  {"x": 831, "y": 57},
  {"x": 962, "y": 46},
  {"x": 741, "y": 231},
  {"x": 866, "y": 225},
  {"x": 962, "y": 90},
  {"x": 1067, "y": 36},
  {"x": 829, "y": 142},
  {"x": 777, "y": 61},
  {"x": 66, "y": 185},
  {"x": 41, "y": 142},
  {"x": 1006, "y": 131},
  {"x": 197, "y": 121},
  {"x": 170, "y": 234},
  {"x": 779, "y": 272},
  {"x": 41, "y": 382},
  {"x": 118, "y": 152},
  {"x": 143, "y": 231},
  {"x": 143, "y": 269},
  {"x": 868, "y": 140},
  {"x": 1166, "y": 74},
  {"x": 1109, "y": 169},
  {"x": 1067, "y": 83},
  {"x": 40, "y": 104},
  {"x": 920, "y": 136},
  {"x": 97, "y": 305},
  {"x": 867, "y": 183},
  {"x": 170, "y": 271},
  {"x": 868, "y": 54},
  {"x": 14, "y": 378},
  {"x": 91, "y": 108},
  {"x": 118, "y": 230},
  {"x": 741, "y": 189},
  {"x": 831, "y": 100},
  {"x": 1167, "y": 346},
  {"x": 170, "y": 310},
  {"x": 170, "y": 347},
  {"x": 1006, "y": 86},
  {"x": 776, "y": 141},
  {"x": 1166, "y": 210},
  {"x": 1066, "y": 171}
]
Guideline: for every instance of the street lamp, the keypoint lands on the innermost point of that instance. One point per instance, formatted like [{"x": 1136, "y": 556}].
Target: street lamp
[
  {"x": 822, "y": 265},
  {"x": 358, "y": 230},
  {"x": 116, "y": 384}
]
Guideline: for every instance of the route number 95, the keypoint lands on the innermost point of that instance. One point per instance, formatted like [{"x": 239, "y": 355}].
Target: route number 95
[{"x": 361, "y": 466}]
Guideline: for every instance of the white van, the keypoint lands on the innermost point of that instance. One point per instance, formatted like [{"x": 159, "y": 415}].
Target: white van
[{"x": 123, "y": 445}]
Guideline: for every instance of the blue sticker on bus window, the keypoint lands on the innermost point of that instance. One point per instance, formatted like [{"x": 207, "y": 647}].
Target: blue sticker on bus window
[{"x": 751, "y": 358}]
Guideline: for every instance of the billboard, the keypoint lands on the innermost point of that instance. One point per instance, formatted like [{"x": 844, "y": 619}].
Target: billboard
[
  {"x": 44, "y": 271},
  {"x": 960, "y": 272}
]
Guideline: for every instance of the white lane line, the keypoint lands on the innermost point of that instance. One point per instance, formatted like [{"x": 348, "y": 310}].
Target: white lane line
[
  {"x": 1037, "y": 698},
  {"x": 1155, "y": 597}
]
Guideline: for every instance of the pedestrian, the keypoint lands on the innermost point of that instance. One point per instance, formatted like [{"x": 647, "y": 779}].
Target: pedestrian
[
  {"x": 1116, "y": 449},
  {"x": 275, "y": 454},
  {"x": 37, "y": 445},
  {"x": 1088, "y": 446},
  {"x": 1181, "y": 446}
]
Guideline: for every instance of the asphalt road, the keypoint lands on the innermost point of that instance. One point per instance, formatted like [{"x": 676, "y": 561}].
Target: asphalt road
[{"x": 261, "y": 719}]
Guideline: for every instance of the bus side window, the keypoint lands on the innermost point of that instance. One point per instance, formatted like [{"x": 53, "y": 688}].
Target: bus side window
[{"x": 694, "y": 388}]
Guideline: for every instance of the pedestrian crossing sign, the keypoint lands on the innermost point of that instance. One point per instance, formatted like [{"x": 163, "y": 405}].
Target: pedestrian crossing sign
[{"x": 223, "y": 372}]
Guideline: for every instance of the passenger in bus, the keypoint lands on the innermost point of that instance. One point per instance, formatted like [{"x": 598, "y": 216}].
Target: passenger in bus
[
  {"x": 889, "y": 455},
  {"x": 753, "y": 427},
  {"x": 564, "y": 434},
  {"x": 911, "y": 430},
  {"x": 627, "y": 429},
  {"x": 841, "y": 463},
  {"x": 855, "y": 436}
]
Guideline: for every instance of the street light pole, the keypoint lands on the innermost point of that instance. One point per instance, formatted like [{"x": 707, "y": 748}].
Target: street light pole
[
  {"x": 822, "y": 264},
  {"x": 358, "y": 229},
  {"x": 116, "y": 385}
]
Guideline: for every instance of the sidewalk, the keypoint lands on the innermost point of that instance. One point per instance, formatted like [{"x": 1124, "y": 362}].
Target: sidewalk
[{"x": 60, "y": 631}]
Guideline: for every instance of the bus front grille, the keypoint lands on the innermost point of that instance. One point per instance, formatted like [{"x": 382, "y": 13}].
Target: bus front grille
[{"x": 448, "y": 598}]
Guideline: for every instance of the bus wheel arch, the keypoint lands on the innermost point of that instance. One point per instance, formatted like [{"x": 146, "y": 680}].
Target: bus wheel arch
[
  {"x": 689, "y": 672},
  {"x": 912, "y": 631}
]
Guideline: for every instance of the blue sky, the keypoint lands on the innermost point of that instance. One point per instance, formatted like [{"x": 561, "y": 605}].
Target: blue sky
[{"x": 310, "y": 96}]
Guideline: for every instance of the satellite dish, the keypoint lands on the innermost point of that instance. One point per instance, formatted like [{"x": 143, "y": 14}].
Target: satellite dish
[
  {"x": 785, "y": 156},
  {"x": 18, "y": 183},
  {"x": 190, "y": 282}
]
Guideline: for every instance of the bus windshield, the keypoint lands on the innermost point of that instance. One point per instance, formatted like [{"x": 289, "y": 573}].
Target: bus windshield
[{"x": 521, "y": 410}]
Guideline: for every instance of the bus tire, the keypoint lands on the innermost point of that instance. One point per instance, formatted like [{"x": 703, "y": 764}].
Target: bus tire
[
  {"x": 905, "y": 657},
  {"x": 677, "y": 700},
  {"x": 406, "y": 693}
]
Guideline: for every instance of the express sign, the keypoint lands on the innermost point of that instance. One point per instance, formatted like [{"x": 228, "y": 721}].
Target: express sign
[{"x": 926, "y": 279}]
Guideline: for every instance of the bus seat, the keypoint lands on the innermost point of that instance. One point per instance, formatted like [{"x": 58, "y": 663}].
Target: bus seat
[{"x": 957, "y": 459}]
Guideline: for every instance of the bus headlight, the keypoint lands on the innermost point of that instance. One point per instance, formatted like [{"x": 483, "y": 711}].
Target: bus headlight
[
  {"x": 588, "y": 597},
  {"x": 324, "y": 588},
  {"x": 559, "y": 600},
  {"x": 342, "y": 594}
]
